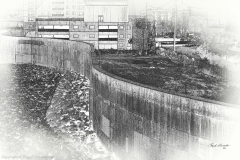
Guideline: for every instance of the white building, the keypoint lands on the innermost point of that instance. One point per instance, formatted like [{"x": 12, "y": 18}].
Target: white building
[
  {"x": 106, "y": 11},
  {"x": 53, "y": 9}
]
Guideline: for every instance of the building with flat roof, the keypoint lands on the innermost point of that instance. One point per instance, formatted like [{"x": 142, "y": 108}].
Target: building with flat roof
[
  {"x": 106, "y": 11},
  {"x": 101, "y": 35},
  {"x": 53, "y": 9},
  {"x": 103, "y": 23}
]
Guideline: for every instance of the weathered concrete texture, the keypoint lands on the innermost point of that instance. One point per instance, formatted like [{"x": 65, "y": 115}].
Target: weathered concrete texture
[
  {"x": 60, "y": 54},
  {"x": 137, "y": 121},
  {"x": 148, "y": 124},
  {"x": 54, "y": 53}
]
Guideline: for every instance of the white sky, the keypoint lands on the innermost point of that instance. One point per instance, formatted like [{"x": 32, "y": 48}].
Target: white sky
[
  {"x": 223, "y": 5},
  {"x": 230, "y": 8}
]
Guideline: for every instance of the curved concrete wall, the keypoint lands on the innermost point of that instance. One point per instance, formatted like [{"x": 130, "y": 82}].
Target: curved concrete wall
[
  {"x": 134, "y": 120},
  {"x": 145, "y": 123},
  {"x": 60, "y": 54}
]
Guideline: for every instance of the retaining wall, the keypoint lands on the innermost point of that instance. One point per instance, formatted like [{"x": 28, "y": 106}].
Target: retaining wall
[
  {"x": 60, "y": 54},
  {"x": 144, "y": 123},
  {"x": 134, "y": 120}
]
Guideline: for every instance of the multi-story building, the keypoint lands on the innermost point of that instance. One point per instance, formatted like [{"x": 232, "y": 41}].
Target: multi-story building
[
  {"x": 104, "y": 24},
  {"x": 106, "y": 11},
  {"x": 52, "y": 9},
  {"x": 102, "y": 35},
  {"x": 111, "y": 17},
  {"x": 54, "y": 28}
]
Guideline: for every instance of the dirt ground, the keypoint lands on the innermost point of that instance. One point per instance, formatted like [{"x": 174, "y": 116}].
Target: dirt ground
[{"x": 172, "y": 75}]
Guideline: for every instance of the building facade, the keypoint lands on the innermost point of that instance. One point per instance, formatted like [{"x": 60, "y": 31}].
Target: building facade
[
  {"x": 53, "y": 9},
  {"x": 101, "y": 35},
  {"x": 103, "y": 23},
  {"x": 106, "y": 11}
]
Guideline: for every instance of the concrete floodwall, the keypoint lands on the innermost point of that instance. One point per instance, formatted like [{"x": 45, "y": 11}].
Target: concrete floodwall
[
  {"x": 54, "y": 53},
  {"x": 134, "y": 120},
  {"x": 145, "y": 123}
]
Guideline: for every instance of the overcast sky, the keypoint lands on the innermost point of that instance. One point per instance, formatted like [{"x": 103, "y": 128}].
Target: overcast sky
[
  {"x": 138, "y": 5},
  {"x": 230, "y": 8},
  {"x": 210, "y": 5}
]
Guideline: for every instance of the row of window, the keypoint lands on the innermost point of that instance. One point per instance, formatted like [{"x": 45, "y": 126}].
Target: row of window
[
  {"x": 79, "y": 13},
  {"x": 108, "y": 30},
  {"x": 90, "y": 27},
  {"x": 107, "y": 39},
  {"x": 54, "y": 36},
  {"x": 90, "y": 36},
  {"x": 113, "y": 27},
  {"x": 58, "y": 13},
  {"x": 58, "y": 8},
  {"x": 53, "y": 30},
  {"x": 104, "y": 28},
  {"x": 121, "y": 45},
  {"x": 30, "y": 19},
  {"x": 104, "y": 37}
]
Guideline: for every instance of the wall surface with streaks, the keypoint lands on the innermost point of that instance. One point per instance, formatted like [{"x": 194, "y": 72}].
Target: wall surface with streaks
[
  {"x": 61, "y": 54},
  {"x": 134, "y": 120},
  {"x": 144, "y": 123}
]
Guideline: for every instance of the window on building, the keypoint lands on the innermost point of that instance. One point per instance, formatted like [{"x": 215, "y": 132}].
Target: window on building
[
  {"x": 121, "y": 36},
  {"x": 75, "y": 27},
  {"x": 121, "y": 27},
  {"x": 129, "y": 27},
  {"x": 91, "y": 27},
  {"x": 120, "y": 44},
  {"x": 129, "y": 45},
  {"x": 75, "y": 35},
  {"x": 73, "y": 6},
  {"x": 91, "y": 36},
  {"x": 80, "y": 13},
  {"x": 100, "y": 18},
  {"x": 129, "y": 35},
  {"x": 73, "y": 13},
  {"x": 67, "y": 6},
  {"x": 67, "y": 13}
]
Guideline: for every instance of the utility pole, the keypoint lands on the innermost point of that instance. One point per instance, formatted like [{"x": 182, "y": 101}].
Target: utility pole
[
  {"x": 147, "y": 27},
  {"x": 175, "y": 28},
  {"x": 154, "y": 33}
]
